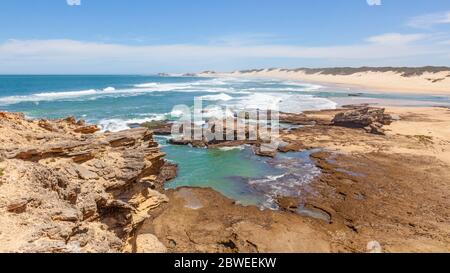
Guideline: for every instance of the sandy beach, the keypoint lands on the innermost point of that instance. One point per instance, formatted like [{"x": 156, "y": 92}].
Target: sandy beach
[{"x": 393, "y": 82}]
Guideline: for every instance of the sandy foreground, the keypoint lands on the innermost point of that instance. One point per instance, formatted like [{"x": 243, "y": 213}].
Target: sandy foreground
[
  {"x": 427, "y": 83},
  {"x": 422, "y": 131}
]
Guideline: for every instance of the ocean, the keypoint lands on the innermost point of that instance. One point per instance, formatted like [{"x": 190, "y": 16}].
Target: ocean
[{"x": 115, "y": 102}]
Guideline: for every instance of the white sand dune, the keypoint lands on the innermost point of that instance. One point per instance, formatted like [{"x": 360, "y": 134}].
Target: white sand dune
[{"x": 389, "y": 81}]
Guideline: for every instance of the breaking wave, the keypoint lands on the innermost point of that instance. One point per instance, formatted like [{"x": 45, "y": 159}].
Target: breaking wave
[
  {"x": 117, "y": 124},
  {"x": 220, "y": 97}
]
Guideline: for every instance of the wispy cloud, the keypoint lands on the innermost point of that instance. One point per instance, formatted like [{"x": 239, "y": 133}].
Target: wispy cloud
[
  {"x": 73, "y": 2},
  {"x": 79, "y": 56},
  {"x": 374, "y": 2},
  {"x": 430, "y": 20},
  {"x": 396, "y": 38}
]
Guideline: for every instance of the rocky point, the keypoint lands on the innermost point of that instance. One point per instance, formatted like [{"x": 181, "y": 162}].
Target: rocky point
[{"x": 65, "y": 187}]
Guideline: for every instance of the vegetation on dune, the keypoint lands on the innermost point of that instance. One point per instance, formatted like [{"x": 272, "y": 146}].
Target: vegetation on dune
[{"x": 404, "y": 71}]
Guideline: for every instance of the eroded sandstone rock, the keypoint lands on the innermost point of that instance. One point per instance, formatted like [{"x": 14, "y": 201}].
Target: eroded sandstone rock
[
  {"x": 87, "y": 129},
  {"x": 371, "y": 119},
  {"x": 162, "y": 128},
  {"x": 64, "y": 188},
  {"x": 148, "y": 243}
]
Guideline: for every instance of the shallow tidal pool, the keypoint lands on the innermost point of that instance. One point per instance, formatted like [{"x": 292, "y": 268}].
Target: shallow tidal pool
[{"x": 239, "y": 174}]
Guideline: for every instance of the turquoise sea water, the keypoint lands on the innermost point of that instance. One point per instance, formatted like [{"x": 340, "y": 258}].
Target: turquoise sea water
[{"x": 115, "y": 102}]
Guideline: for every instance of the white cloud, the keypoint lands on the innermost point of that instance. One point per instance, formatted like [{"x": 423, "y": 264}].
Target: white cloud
[
  {"x": 374, "y": 2},
  {"x": 396, "y": 38},
  {"x": 70, "y": 56},
  {"x": 430, "y": 20},
  {"x": 74, "y": 2}
]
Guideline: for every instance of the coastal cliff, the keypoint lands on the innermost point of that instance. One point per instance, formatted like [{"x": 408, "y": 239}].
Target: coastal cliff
[{"x": 66, "y": 188}]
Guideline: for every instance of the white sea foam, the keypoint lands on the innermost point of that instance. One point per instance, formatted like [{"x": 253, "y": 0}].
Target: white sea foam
[
  {"x": 283, "y": 102},
  {"x": 296, "y": 173},
  {"x": 217, "y": 112},
  {"x": 113, "y": 125},
  {"x": 116, "y": 124},
  {"x": 49, "y": 96},
  {"x": 68, "y": 94},
  {"x": 305, "y": 86},
  {"x": 146, "y": 85},
  {"x": 226, "y": 149},
  {"x": 259, "y": 101},
  {"x": 152, "y": 86},
  {"x": 220, "y": 97},
  {"x": 276, "y": 177},
  {"x": 109, "y": 89},
  {"x": 300, "y": 103},
  {"x": 176, "y": 113},
  {"x": 199, "y": 86},
  {"x": 89, "y": 94}
]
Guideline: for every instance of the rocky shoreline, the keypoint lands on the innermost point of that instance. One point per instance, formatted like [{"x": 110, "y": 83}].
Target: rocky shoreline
[
  {"x": 64, "y": 188},
  {"x": 371, "y": 119},
  {"x": 378, "y": 192},
  {"x": 383, "y": 187}
]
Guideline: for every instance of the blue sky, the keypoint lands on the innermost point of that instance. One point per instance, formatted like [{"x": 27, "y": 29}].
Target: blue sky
[{"x": 141, "y": 36}]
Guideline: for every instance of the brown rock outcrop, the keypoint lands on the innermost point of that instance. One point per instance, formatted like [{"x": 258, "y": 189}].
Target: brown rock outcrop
[
  {"x": 65, "y": 189},
  {"x": 371, "y": 119},
  {"x": 161, "y": 128},
  {"x": 87, "y": 129}
]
